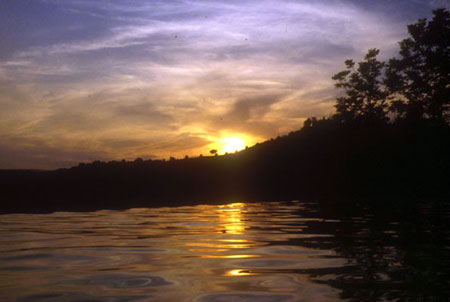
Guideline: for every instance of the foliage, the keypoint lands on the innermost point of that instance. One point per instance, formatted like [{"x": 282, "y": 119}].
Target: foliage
[
  {"x": 365, "y": 98},
  {"x": 414, "y": 86},
  {"x": 419, "y": 81}
]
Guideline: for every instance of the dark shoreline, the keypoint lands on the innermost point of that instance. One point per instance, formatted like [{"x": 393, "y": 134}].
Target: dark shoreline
[{"x": 327, "y": 162}]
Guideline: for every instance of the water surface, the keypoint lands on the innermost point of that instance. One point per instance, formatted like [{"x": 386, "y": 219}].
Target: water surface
[{"x": 265, "y": 252}]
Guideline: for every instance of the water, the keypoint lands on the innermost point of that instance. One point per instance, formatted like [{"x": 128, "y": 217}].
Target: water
[{"x": 265, "y": 252}]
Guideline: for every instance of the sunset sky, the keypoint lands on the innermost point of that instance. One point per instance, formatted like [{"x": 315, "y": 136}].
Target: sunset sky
[{"x": 111, "y": 80}]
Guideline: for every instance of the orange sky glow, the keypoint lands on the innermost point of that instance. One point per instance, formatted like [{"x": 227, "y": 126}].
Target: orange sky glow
[{"x": 89, "y": 80}]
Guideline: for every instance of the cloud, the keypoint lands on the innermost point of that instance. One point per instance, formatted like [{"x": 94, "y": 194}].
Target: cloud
[
  {"x": 250, "y": 108},
  {"x": 109, "y": 79},
  {"x": 247, "y": 115},
  {"x": 439, "y": 4},
  {"x": 182, "y": 142},
  {"x": 26, "y": 153}
]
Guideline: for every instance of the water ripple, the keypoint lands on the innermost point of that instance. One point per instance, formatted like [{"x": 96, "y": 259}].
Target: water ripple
[{"x": 240, "y": 252}]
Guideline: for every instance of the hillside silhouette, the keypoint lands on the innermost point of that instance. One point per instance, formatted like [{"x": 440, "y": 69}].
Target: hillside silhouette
[{"x": 389, "y": 140}]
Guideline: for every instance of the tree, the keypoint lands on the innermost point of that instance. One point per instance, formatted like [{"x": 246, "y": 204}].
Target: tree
[
  {"x": 365, "y": 96},
  {"x": 310, "y": 122},
  {"x": 419, "y": 80}
]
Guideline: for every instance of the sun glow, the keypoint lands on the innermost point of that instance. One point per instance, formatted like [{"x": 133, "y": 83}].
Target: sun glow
[
  {"x": 232, "y": 144},
  {"x": 231, "y": 218}
]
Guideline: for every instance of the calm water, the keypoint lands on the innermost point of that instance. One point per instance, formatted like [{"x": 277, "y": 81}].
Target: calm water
[{"x": 265, "y": 252}]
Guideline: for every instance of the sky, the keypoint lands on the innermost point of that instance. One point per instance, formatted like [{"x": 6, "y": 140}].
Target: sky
[{"x": 85, "y": 80}]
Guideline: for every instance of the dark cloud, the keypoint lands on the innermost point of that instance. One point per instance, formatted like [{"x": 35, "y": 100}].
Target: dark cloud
[
  {"x": 250, "y": 108},
  {"x": 247, "y": 116}
]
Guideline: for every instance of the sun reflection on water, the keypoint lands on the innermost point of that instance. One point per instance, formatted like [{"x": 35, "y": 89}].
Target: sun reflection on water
[
  {"x": 205, "y": 253},
  {"x": 239, "y": 272},
  {"x": 231, "y": 256},
  {"x": 231, "y": 218}
]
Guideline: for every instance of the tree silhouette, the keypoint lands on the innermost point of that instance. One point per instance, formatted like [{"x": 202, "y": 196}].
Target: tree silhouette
[
  {"x": 366, "y": 97},
  {"x": 419, "y": 81},
  {"x": 310, "y": 122},
  {"x": 414, "y": 86}
]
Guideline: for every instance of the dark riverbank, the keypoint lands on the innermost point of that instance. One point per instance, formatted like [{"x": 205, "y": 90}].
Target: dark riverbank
[{"x": 327, "y": 161}]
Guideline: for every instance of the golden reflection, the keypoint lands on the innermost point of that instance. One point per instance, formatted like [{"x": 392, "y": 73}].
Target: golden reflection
[
  {"x": 239, "y": 272},
  {"x": 239, "y": 243},
  {"x": 231, "y": 218},
  {"x": 236, "y": 240},
  {"x": 231, "y": 256},
  {"x": 207, "y": 250}
]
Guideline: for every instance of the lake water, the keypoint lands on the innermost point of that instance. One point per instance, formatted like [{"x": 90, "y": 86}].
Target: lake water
[{"x": 264, "y": 252}]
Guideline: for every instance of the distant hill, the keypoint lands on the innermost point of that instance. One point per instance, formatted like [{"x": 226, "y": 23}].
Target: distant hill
[{"x": 327, "y": 161}]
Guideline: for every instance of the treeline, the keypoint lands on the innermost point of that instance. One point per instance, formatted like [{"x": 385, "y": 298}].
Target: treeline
[{"x": 389, "y": 140}]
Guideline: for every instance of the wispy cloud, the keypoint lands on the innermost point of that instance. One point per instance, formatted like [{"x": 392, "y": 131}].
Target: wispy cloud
[{"x": 115, "y": 79}]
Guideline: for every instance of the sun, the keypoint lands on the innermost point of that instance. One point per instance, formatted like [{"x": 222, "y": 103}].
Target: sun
[{"x": 232, "y": 144}]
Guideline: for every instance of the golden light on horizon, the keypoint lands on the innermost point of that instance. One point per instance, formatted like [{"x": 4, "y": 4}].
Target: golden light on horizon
[
  {"x": 227, "y": 142},
  {"x": 232, "y": 144}
]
